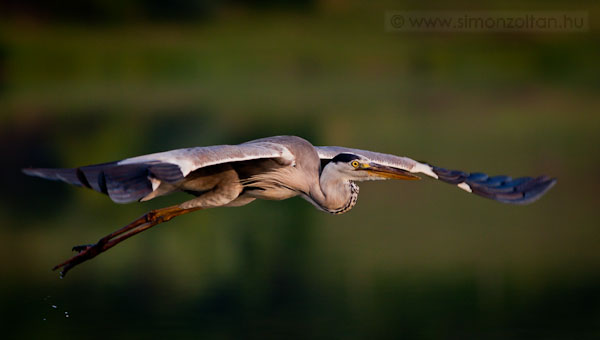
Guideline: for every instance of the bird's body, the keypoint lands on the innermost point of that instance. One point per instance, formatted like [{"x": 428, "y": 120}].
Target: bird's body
[{"x": 273, "y": 168}]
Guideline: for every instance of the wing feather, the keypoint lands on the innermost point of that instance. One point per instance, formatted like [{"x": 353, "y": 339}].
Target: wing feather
[
  {"x": 134, "y": 179},
  {"x": 523, "y": 190},
  {"x": 191, "y": 159},
  {"x": 404, "y": 163}
]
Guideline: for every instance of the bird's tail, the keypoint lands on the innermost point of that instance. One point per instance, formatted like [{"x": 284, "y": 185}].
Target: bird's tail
[
  {"x": 522, "y": 190},
  {"x": 123, "y": 183}
]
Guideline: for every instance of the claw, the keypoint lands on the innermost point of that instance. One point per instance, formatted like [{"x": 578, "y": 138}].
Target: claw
[
  {"x": 82, "y": 247},
  {"x": 85, "y": 252}
]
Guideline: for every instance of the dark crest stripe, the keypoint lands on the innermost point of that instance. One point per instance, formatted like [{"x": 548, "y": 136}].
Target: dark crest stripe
[{"x": 344, "y": 158}]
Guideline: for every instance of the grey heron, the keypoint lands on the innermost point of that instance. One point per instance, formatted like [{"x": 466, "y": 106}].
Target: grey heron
[{"x": 272, "y": 168}]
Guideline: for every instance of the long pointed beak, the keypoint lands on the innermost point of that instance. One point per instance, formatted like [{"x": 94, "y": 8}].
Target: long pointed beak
[{"x": 384, "y": 171}]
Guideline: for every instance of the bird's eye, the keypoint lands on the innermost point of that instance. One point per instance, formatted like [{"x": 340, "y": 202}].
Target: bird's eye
[{"x": 355, "y": 164}]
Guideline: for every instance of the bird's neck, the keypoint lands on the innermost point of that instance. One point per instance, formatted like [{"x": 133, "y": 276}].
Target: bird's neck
[{"x": 334, "y": 195}]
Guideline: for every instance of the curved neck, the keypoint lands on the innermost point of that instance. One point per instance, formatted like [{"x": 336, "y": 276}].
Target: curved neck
[{"x": 334, "y": 194}]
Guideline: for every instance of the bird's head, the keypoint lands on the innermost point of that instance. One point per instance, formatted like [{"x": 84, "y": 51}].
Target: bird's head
[{"x": 355, "y": 167}]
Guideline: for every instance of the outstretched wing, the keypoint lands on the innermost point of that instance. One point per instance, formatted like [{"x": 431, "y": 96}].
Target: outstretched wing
[
  {"x": 523, "y": 190},
  {"x": 134, "y": 178}
]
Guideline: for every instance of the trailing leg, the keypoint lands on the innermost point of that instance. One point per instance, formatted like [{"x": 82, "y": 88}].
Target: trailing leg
[{"x": 145, "y": 222}]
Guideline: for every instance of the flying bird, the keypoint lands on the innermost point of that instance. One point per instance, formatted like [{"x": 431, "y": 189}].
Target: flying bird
[{"x": 272, "y": 168}]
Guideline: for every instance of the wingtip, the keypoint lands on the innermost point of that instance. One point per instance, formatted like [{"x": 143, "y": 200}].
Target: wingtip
[
  {"x": 28, "y": 171},
  {"x": 535, "y": 192},
  {"x": 551, "y": 183},
  {"x": 546, "y": 185},
  {"x": 39, "y": 172},
  {"x": 521, "y": 191}
]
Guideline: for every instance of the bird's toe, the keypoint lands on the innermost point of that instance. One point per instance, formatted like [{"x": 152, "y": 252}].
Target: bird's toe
[{"x": 82, "y": 247}]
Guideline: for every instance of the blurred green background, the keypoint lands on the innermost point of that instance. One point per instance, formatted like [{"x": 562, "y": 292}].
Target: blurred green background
[{"x": 90, "y": 82}]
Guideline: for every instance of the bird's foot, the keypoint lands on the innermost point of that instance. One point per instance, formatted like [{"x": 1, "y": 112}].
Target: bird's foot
[
  {"x": 82, "y": 247},
  {"x": 85, "y": 252},
  {"x": 89, "y": 251}
]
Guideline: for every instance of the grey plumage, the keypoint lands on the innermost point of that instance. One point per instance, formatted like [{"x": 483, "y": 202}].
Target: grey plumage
[{"x": 272, "y": 168}]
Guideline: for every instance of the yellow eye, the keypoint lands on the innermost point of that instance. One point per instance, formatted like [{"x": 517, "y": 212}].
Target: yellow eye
[{"x": 355, "y": 164}]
